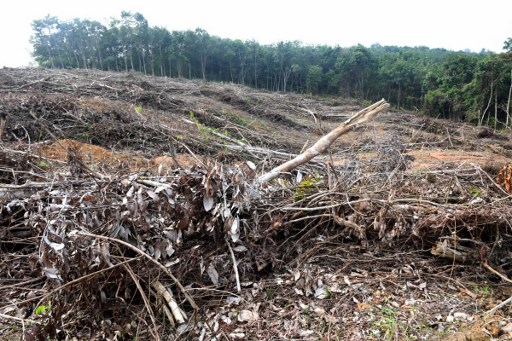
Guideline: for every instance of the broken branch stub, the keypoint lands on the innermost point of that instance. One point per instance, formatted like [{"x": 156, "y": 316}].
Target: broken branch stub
[{"x": 325, "y": 141}]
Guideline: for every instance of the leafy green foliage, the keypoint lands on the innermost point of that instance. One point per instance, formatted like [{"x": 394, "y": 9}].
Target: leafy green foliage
[
  {"x": 306, "y": 186},
  {"x": 437, "y": 102},
  {"x": 507, "y": 45},
  {"x": 42, "y": 309},
  {"x": 313, "y": 78}
]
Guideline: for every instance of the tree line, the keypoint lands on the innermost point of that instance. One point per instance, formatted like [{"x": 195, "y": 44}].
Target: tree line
[{"x": 463, "y": 85}]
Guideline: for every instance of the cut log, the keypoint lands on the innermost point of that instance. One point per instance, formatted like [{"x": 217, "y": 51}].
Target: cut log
[
  {"x": 325, "y": 141},
  {"x": 453, "y": 251}
]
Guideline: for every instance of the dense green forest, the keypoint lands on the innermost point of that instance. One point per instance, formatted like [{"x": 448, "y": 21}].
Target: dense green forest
[{"x": 463, "y": 85}]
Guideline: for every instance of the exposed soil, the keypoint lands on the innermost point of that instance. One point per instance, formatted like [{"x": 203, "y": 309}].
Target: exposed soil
[
  {"x": 429, "y": 159},
  {"x": 110, "y": 182}
]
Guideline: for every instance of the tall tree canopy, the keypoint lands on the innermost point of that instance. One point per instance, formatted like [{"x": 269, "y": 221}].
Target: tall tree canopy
[{"x": 457, "y": 85}]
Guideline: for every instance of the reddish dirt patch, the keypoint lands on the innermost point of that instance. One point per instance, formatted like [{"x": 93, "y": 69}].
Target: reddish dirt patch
[
  {"x": 429, "y": 159},
  {"x": 96, "y": 155},
  {"x": 483, "y": 330},
  {"x": 90, "y": 154},
  {"x": 166, "y": 163}
]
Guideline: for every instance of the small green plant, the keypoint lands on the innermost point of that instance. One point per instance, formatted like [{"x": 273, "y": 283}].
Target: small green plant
[
  {"x": 306, "y": 186},
  {"x": 42, "y": 309},
  {"x": 475, "y": 191},
  {"x": 138, "y": 109},
  {"x": 388, "y": 322},
  {"x": 43, "y": 164},
  {"x": 270, "y": 293},
  {"x": 236, "y": 118},
  {"x": 84, "y": 135},
  {"x": 205, "y": 131},
  {"x": 485, "y": 290},
  {"x": 328, "y": 293},
  {"x": 308, "y": 314},
  {"x": 193, "y": 117}
]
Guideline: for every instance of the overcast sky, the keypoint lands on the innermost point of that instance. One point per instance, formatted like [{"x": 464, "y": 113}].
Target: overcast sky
[{"x": 450, "y": 24}]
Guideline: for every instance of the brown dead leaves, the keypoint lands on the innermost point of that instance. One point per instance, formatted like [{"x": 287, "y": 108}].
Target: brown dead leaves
[{"x": 505, "y": 177}]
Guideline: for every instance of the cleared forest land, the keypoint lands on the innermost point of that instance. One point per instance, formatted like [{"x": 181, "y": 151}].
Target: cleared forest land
[{"x": 130, "y": 209}]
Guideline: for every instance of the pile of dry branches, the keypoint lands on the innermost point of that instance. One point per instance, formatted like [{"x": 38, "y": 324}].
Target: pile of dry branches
[
  {"x": 116, "y": 254},
  {"x": 108, "y": 245}
]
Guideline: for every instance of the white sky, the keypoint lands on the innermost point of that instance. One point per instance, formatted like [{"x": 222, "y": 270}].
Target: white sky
[{"x": 450, "y": 24}]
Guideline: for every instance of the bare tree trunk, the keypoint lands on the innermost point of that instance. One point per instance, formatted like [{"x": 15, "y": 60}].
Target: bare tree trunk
[
  {"x": 77, "y": 60},
  {"x": 150, "y": 60},
  {"x": 231, "y": 74},
  {"x": 325, "y": 141},
  {"x": 203, "y": 66},
  {"x": 179, "y": 66},
  {"x": 255, "y": 73},
  {"x": 508, "y": 101},
  {"x": 100, "y": 57},
  {"x": 361, "y": 86},
  {"x": 495, "y": 109},
  {"x": 144, "y": 61},
  {"x": 84, "y": 57},
  {"x": 70, "y": 58},
  {"x": 286, "y": 76},
  {"x": 488, "y": 104},
  {"x": 399, "y": 95},
  {"x": 117, "y": 63},
  {"x": 162, "y": 63},
  {"x": 48, "y": 45}
]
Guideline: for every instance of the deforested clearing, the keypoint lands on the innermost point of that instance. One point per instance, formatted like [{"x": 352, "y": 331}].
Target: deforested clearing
[{"x": 132, "y": 207}]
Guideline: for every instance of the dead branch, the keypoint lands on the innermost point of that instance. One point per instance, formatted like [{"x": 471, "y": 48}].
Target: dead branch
[
  {"x": 145, "y": 255},
  {"x": 147, "y": 304},
  {"x": 178, "y": 220},
  {"x": 325, "y": 141},
  {"x": 499, "y": 306},
  {"x": 171, "y": 302},
  {"x": 497, "y": 273},
  {"x": 235, "y": 267}
]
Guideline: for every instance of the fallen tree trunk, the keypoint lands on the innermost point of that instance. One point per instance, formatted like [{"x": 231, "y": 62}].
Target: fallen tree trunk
[{"x": 325, "y": 141}]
